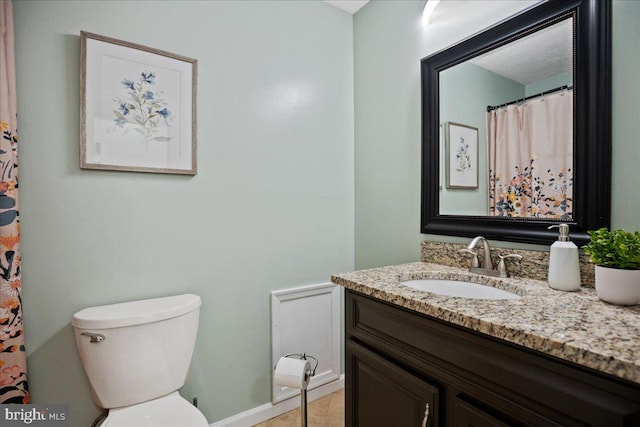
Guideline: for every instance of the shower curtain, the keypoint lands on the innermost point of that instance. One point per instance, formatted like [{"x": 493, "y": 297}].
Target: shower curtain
[
  {"x": 13, "y": 361},
  {"x": 531, "y": 158}
]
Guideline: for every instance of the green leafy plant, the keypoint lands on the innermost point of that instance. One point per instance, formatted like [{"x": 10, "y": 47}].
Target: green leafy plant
[{"x": 615, "y": 249}]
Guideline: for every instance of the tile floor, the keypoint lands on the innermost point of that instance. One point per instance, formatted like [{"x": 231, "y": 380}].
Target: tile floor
[{"x": 324, "y": 412}]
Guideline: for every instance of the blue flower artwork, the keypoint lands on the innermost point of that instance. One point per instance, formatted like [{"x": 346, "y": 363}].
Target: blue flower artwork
[
  {"x": 143, "y": 109},
  {"x": 148, "y": 77},
  {"x": 128, "y": 84},
  {"x": 463, "y": 156}
]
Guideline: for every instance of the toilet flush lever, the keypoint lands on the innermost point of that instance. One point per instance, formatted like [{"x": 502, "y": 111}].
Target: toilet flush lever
[{"x": 94, "y": 337}]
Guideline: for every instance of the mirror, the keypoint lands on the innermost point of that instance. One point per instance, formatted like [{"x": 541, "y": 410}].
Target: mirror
[
  {"x": 517, "y": 127},
  {"x": 508, "y": 89}
]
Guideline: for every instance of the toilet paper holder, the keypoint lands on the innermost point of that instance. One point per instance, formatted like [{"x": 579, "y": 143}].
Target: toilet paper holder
[{"x": 303, "y": 391}]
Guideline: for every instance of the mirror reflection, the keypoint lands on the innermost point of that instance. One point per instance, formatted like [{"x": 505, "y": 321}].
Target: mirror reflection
[{"x": 506, "y": 129}]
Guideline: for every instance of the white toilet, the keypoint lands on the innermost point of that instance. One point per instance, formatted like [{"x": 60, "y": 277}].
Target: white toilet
[{"x": 136, "y": 356}]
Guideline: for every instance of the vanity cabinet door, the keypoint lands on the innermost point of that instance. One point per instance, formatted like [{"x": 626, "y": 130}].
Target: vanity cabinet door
[{"x": 382, "y": 394}]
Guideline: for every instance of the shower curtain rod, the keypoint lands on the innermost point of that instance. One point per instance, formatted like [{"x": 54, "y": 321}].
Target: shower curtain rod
[{"x": 546, "y": 92}]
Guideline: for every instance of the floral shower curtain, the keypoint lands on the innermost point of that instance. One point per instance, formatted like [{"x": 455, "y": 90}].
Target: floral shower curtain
[
  {"x": 13, "y": 361},
  {"x": 531, "y": 158}
]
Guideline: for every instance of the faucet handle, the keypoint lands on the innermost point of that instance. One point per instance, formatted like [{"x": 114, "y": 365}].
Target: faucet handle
[
  {"x": 475, "y": 263},
  {"x": 502, "y": 266}
]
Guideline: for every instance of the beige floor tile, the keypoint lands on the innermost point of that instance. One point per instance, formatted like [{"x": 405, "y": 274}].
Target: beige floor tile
[{"x": 325, "y": 412}]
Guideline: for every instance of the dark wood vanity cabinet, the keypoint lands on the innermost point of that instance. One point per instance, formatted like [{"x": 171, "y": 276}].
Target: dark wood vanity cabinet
[
  {"x": 388, "y": 395},
  {"x": 407, "y": 369}
]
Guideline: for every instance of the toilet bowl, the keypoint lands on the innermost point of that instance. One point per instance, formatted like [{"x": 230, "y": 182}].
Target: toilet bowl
[
  {"x": 168, "y": 411},
  {"x": 136, "y": 356}
]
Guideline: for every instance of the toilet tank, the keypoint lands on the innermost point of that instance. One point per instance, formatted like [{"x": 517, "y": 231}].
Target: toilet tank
[{"x": 137, "y": 351}]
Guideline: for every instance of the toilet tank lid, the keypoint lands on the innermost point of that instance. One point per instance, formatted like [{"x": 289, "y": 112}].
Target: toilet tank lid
[{"x": 135, "y": 312}]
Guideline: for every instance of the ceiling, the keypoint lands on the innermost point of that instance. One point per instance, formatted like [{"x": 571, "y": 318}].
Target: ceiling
[
  {"x": 348, "y": 5},
  {"x": 546, "y": 53},
  {"x": 541, "y": 55}
]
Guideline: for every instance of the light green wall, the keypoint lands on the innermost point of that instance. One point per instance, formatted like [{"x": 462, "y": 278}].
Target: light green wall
[
  {"x": 564, "y": 79},
  {"x": 478, "y": 88},
  {"x": 270, "y": 208},
  {"x": 625, "y": 198},
  {"x": 389, "y": 41}
]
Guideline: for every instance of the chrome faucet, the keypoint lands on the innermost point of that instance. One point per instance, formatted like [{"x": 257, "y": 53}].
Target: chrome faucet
[
  {"x": 486, "y": 260},
  {"x": 486, "y": 267}
]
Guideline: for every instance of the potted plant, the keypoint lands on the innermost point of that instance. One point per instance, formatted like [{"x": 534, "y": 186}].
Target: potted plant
[{"x": 617, "y": 258}]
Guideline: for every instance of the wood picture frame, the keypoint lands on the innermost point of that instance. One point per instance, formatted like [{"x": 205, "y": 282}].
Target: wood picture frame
[
  {"x": 137, "y": 107},
  {"x": 461, "y": 158}
]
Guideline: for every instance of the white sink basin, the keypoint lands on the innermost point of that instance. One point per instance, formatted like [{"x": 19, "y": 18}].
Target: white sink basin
[{"x": 455, "y": 288}]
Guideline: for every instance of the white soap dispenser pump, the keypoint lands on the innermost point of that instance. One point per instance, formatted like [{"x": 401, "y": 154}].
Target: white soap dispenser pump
[{"x": 564, "y": 268}]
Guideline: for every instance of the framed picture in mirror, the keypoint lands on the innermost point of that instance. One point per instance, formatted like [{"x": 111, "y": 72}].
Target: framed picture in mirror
[{"x": 461, "y": 143}]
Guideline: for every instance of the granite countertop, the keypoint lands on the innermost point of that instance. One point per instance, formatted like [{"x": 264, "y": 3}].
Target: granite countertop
[{"x": 574, "y": 326}]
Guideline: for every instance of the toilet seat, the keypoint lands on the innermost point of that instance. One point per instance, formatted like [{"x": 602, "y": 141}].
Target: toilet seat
[{"x": 171, "y": 410}]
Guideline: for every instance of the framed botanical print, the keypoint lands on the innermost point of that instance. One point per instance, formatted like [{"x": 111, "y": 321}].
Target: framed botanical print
[
  {"x": 461, "y": 156},
  {"x": 138, "y": 108}
]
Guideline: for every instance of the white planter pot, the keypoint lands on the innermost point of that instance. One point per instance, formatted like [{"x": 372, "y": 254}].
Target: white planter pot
[{"x": 618, "y": 286}]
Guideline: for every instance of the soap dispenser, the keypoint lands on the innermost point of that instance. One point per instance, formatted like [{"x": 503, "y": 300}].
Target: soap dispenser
[{"x": 564, "y": 268}]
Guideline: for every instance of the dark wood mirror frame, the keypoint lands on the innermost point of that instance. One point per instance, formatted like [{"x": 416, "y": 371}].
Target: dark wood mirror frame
[{"x": 592, "y": 124}]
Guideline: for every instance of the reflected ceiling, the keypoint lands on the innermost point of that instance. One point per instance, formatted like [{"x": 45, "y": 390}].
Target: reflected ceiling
[{"x": 521, "y": 60}]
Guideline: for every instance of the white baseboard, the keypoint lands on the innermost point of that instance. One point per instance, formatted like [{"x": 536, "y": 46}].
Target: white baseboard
[{"x": 269, "y": 410}]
